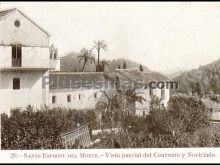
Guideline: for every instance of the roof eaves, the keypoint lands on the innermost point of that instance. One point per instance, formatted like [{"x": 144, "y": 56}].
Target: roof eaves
[
  {"x": 10, "y": 10},
  {"x": 30, "y": 19}
]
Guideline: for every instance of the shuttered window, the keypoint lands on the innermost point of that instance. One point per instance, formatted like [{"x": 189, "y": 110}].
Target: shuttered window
[{"x": 16, "y": 83}]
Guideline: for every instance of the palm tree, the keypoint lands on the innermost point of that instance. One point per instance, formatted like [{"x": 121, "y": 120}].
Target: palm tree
[
  {"x": 124, "y": 65},
  {"x": 111, "y": 103},
  {"x": 132, "y": 96},
  {"x": 87, "y": 56},
  {"x": 103, "y": 64},
  {"x": 100, "y": 45}
]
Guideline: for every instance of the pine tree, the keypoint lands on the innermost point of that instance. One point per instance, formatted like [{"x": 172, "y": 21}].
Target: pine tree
[
  {"x": 198, "y": 88},
  {"x": 124, "y": 66},
  {"x": 141, "y": 68}
]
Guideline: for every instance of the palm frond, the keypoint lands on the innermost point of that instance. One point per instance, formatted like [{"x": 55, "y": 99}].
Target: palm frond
[
  {"x": 134, "y": 96},
  {"x": 100, "y": 44}
]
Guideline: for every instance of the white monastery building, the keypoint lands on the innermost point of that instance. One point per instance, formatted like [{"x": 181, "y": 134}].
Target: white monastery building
[
  {"x": 30, "y": 72},
  {"x": 24, "y": 60}
]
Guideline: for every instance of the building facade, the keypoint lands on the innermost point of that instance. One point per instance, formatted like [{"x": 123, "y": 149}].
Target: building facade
[
  {"x": 135, "y": 79},
  {"x": 84, "y": 90},
  {"x": 75, "y": 90},
  {"x": 24, "y": 61}
]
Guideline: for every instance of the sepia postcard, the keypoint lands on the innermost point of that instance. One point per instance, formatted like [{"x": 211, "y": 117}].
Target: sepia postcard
[{"x": 110, "y": 82}]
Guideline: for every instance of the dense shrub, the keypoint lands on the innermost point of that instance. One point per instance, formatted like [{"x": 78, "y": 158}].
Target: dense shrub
[
  {"x": 40, "y": 129},
  {"x": 184, "y": 123}
]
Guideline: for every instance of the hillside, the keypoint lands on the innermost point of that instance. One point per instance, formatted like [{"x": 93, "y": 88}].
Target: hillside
[
  {"x": 205, "y": 79},
  {"x": 172, "y": 73},
  {"x": 70, "y": 63},
  {"x": 129, "y": 64}
]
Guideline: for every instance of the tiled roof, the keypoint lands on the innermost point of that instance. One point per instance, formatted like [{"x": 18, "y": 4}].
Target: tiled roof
[
  {"x": 135, "y": 75},
  {"x": 154, "y": 76},
  {"x": 5, "y": 12},
  {"x": 63, "y": 80},
  {"x": 132, "y": 74},
  {"x": 125, "y": 74}
]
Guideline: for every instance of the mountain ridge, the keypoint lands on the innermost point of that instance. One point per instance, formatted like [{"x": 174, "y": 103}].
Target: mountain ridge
[
  {"x": 205, "y": 79},
  {"x": 70, "y": 63}
]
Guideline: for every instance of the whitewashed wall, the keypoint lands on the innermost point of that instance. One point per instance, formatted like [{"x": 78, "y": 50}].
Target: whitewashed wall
[
  {"x": 146, "y": 104},
  {"x": 86, "y": 101},
  {"x": 55, "y": 63},
  {"x": 35, "y": 54},
  {"x": 167, "y": 97},
  {"x": 5, "y": 56},
  {"x": 27, "y": 34},
  {"x": 30, "y": 92},
  {"x": 31, "y": 57}
]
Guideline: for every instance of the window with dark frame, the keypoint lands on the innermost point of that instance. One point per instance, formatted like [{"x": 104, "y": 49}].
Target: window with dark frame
[
  {"x": 68, "y": 98},
  {"x": 54, "y": 99},
  {"x": 16, "y": 56},
  {"x": 16, "y": 83}
]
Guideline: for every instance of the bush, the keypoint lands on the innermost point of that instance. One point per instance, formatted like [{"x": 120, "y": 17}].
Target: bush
[
  {"x": 184, "y": 123},
  {"x": 40, "y": 129}
]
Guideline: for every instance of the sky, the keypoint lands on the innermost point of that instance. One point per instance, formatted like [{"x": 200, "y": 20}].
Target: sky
[{"x": 160, "y": 35}]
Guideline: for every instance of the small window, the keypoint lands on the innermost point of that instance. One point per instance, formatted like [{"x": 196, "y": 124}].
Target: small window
[
  {"x": 79, "y": 96},
  {"x": 68, "y": 98},
  {"x": 17, "y": 23},
  {"x": 151, "y": 91},
  {"x": 16, "y": 83},
  {"x": 95, "y": 95},
  {"x": 54, "y": 99}
]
